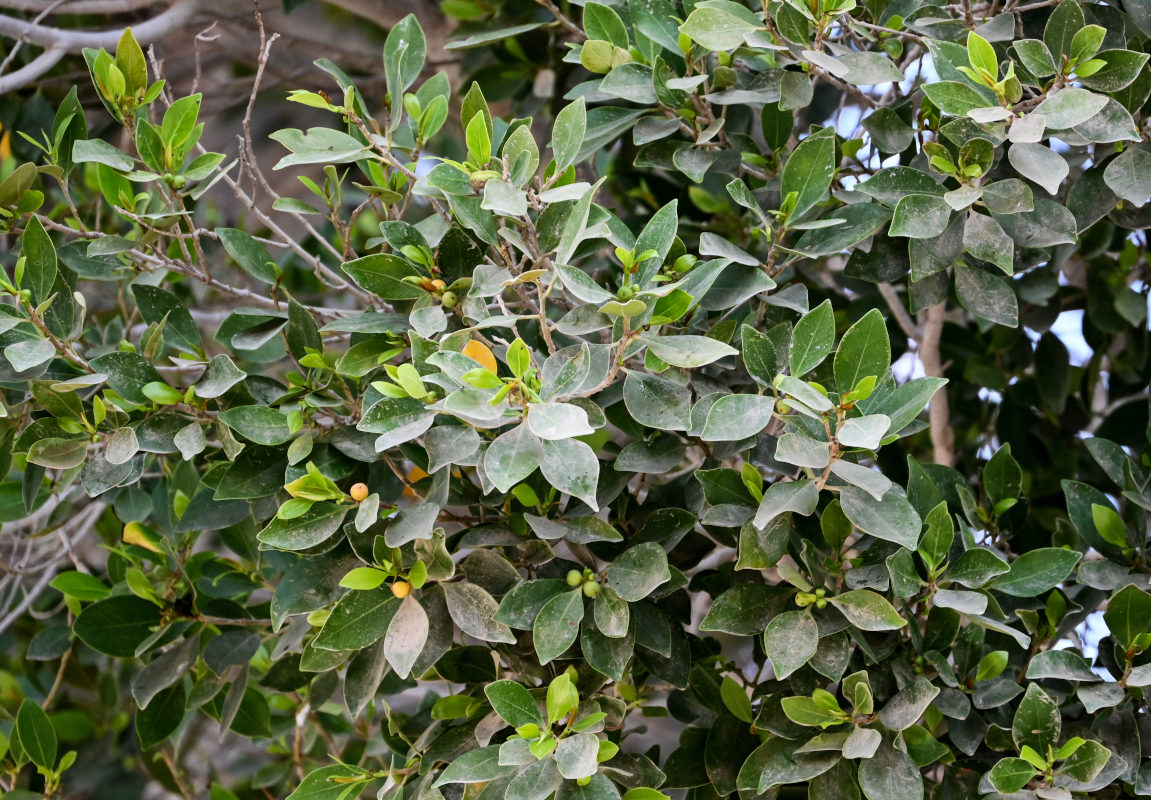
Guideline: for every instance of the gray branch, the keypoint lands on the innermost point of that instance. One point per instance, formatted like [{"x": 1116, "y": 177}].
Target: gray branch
[
  {"x": 177, "y": 16},
  {"x": 32, "y": 70},
  {"x": 77, "y": 6}
]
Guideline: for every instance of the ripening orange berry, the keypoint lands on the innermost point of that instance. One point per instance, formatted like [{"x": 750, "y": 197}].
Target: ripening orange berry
[
  {"x": 401, "y": 589},
  {"x": 359, "y": 492},
  {"x": 439, "y": 285}
]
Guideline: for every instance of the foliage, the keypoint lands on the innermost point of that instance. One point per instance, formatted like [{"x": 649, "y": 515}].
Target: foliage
[{"x": 499, "y": 454}]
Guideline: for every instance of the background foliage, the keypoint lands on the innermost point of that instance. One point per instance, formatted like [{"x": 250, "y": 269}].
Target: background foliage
[{"x": 564, "y": 432}]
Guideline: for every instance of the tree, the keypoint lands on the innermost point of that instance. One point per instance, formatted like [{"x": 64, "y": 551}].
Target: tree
[{"x": 731, "y": 394}]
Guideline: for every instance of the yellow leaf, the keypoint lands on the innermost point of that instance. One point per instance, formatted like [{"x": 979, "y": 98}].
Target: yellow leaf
[
  {"x": 482, "y": 355},
  {"x": 142, "y": 536}
]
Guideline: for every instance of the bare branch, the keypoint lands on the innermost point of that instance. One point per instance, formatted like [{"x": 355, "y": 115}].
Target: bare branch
[
  {"x": 32, "y": 70},
  {"x": 177, "y": 16},
  {"x": 906, "y": 323},
  {"x": 77, "y": 6},
  {"x": 939, "y": 413}
]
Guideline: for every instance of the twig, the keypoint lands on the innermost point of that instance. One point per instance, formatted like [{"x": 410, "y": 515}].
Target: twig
[
  {"x": 16, "y": 47},
  {"x": 906, "y": 323},
  {"x": 571, "y": 27}
]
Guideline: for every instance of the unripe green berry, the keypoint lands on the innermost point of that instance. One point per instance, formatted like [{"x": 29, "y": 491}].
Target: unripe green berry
[
  {"x": 449, "y": 300},
  {"x": 591, "y": 588},
  {"x": 575, "y": 577}
]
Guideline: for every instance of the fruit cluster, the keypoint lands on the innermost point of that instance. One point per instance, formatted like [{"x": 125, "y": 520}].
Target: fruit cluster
[{"x": 587, "y": 579}]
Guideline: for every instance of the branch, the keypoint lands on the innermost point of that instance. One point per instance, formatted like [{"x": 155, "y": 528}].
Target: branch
[
  {"x": 176, "y": 17},
  {"x": 906, "y": 323},
  {"x": 939, "y": 413},
  {"x": 77, "y": 6},
  {"x": 32, "y": 70}
]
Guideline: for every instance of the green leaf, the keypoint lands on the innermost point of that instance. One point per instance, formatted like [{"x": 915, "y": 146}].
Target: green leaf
[
  {"x": 954, "y": 98},
  {"x": 982, "y": 55},
  {"x": 319, "y": 784},
  {"x": 920, "y": 216},
  {"x": 890, "y": 775},
  {"x": 687, "y": 351},
  {"x": 162, "y": 716},
  {"x": 1065, "y": 21},
  {"x": 127, "y": 373},
  {"x": 893, "y": 518},
  {"x": 179, "y": 123},
  {"x": 40, "y": 268},
  {"x": 790, "y": 641},
  {"x": 259, "y": 424},
  {"x": 407, "y": 634},
  {"x": 908, "y": 705},
  {"x": 252, "y": 256},
  {"x": 638, "y": 571},
  {"x": 868, "y": 611},
  {"x": 987, "y": 296},
  {"x": 80, "y": 585},
  {"x": 568, "y": 133},
  {"x": 991, "y": 665},
  {"x": 513, "y": 456},
  {"x": 475, "y": 766},
  {"x": 358, "y": 620},
  {"x": 735, "y": 699},
  {"x": 864, "y": 350},
  {"x": 513, "y": 703},
  {"x": 1062, "y": 665},
  {"x": 474, "y": 610},
  {"x": 1011, "y": 774},
  {"x": 1109, "y": 524},
  {"x": 1037, "y": 571},
  {"x": 1037, "y": 722},
  {"x": 37, "y": 736},
  {"x": 405, "y": 50},
  {"x": 657, "y": 402},
  {"x": 812, "y": 339},
  {"x": 1070, "y": 107},
  {"x": 716, "y": 28},
  {"x": 735, "y": 417},
  {"x": 316, "y": 526},
  {"x": 602, "y": 22},
  {"x": 805, "y": 711},
  {"x": 478, "y": 140},
  {"x": 118, "y": 625},
  {"x": 1039, "y": 163},
  {"x": 317, "y": 146},
  {"x": 809, "y": 171},
  {"x": 1083, "y": 765},
  {"x": 800, "y": 497},
  {"x": 383, "y": 275},
  {"x": 557, "y": 625},
  {"x": 1128, "y": 615}
]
